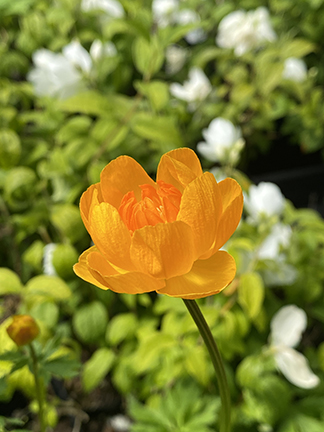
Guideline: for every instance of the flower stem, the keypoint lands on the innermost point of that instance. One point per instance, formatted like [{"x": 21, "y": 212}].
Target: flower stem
[
  {"x": 195, "y": 312},
  {"x": 39, "y": 389}
]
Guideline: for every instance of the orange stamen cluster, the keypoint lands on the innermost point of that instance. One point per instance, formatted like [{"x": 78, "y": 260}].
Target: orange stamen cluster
[{"x": 157, "y": 205}]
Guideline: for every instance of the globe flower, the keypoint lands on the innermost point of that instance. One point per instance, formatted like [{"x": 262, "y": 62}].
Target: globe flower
[
  {"x": 23, "y": 329},
  {"x": 161, "y": 235}
]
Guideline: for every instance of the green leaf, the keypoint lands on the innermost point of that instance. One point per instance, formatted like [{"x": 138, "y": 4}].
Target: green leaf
[
  {"x": 90, "y": 102},
  {"x": 46, "y": 312},
  {"x": 64, "y": 367},
  {"x": 148, "y": 55},
  {"x": 297, "y": 48},
  {"x": 96, "y": 368},
  {"x": 66, "y": 218},
  {"x": 46, "y": 287},
  {"x": 90, "y": 322},
  {"x": 156, "y": 128},
  {"x": 9, "y": 282},
  {"x": 121, "y": 327},
  {"x": 156, "y": 91},
  {"x": 251, "y": 293}
]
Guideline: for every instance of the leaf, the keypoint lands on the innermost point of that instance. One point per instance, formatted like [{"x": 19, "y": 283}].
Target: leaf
[
  {"x": 121, "y": 327},
  {"x": 96, "y": 368},
  {"x": 9, "y": 282},
  {"x": 297, "y": 48},
  {"x": 90, "y": 322},
  {"x": 63, "y": 367},
  {"x": 156, "y": 91},
  {"x": 66, "y": 218},
  {"x": 161, "y": 129},
  {"x": 47, "y": 287},
  {"x": 251, "y": 293},
  {"x": 90, "y": 102},
  {"x": 148, "y": 55}
]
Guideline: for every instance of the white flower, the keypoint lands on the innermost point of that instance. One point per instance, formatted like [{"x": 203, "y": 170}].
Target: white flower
[
  {"x": 287, "y": 326},
  {"x": 120, "y": 423},
  {"x": 112, "y": 7},
  {"x": 187, "y": 16},
  {"x": 163, "y": 11},
  {"x": 48, "y": 268},
  {"x": 175, "y": 58},
  {"x": 78, "y": 56},
  {"x": 223, "y": 142},
  {"x": 265, "y": 199},
  {"x": 196, "y": 88},
  {"x": 54, "y": 75},
  {"x": 279, "y": 237},
  {"x": 245, "y": 31},
  {"x": 62, "y": 75},
  {"x": 99, "y": 50},
  {"x": 294, "y": 69}
]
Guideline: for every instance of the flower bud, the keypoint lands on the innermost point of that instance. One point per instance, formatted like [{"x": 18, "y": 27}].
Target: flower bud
[{"x": 23, "y": 329}]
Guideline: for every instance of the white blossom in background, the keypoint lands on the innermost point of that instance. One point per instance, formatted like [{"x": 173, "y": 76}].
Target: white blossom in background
[
  {"x": 48, "y": 268},
  {"x": 279, "y": 237},
  {"x": 112, "y": 8},
  {"x": 218, "y": 173},
  {"x": 294, "y": 69},
  {"x": 265, "y": 199},
  {"x": 223, "y": 142},
  {"x": 99, "y": 50},
  {"x": 188, "y": 16},
  {"x": 167, "y": 12},
  {"x": 287, "y": 326},
  {"x": 62, "y": 75},
  {"x": 120, "y": 423},
  {"x": 175, "y": 57},
  {"x": 195, "y": 89},
  {"x": 244, "y": 31},
  {"x": 163, "y": 11}
]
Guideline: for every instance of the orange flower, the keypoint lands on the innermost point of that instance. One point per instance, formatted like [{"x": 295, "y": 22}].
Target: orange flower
[
  {"x": 23, "y": 329},
  {"x": 160, "y": 236}
]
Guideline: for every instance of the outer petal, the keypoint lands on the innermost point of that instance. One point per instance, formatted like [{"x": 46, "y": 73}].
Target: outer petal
[
  {"x": 207, "y": 277},
  {"x": 232, "y": 198},
  {"x": 287, "y": 326},
  {"x": 91, "y": 197},
  {"x": 120, "y": 176},
  {"x": 201, "y": 208},
  {"x": 111, "y": 236},
  {"x": 295, "y": 368},
  {"x": 129, "y": 283},
  {"x": 164, "y": 250},
  {"x": 179, "y": 168},
  {"x": 82, "y": 270}
]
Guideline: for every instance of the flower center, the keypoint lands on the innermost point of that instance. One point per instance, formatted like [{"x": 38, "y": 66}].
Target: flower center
[{"x": 157, "y": 205}]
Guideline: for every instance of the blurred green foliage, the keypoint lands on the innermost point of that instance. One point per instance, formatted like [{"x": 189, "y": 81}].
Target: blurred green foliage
[{"x": 51, "y": 150}]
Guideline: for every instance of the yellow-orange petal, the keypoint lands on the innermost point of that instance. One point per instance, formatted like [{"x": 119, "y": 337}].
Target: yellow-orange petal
[
  {"x": 110, "y": 235},
  {"x": 120, "y": 176},
  {"x": 128, "y": 283},
  {"x": 201, "y": 208},
  {"x": 164, "y": 250},
  {"x": 82, "y": 269},
  {"x": 232, "y": 197},
  {"x": 179, "y": 167},
  {"x": 91, "y": 197},
  {"x": 207, "y": 277}
]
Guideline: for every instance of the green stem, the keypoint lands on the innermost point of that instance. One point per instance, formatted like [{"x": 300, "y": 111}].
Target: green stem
[
  {"x": 39, "y": 389},
  {"x": 195, "y": 312}
]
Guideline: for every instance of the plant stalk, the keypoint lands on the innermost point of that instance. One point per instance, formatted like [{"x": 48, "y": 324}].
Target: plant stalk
[
  {"x": 39, "y": 389},
  {"x": 195, "y": 312}
]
